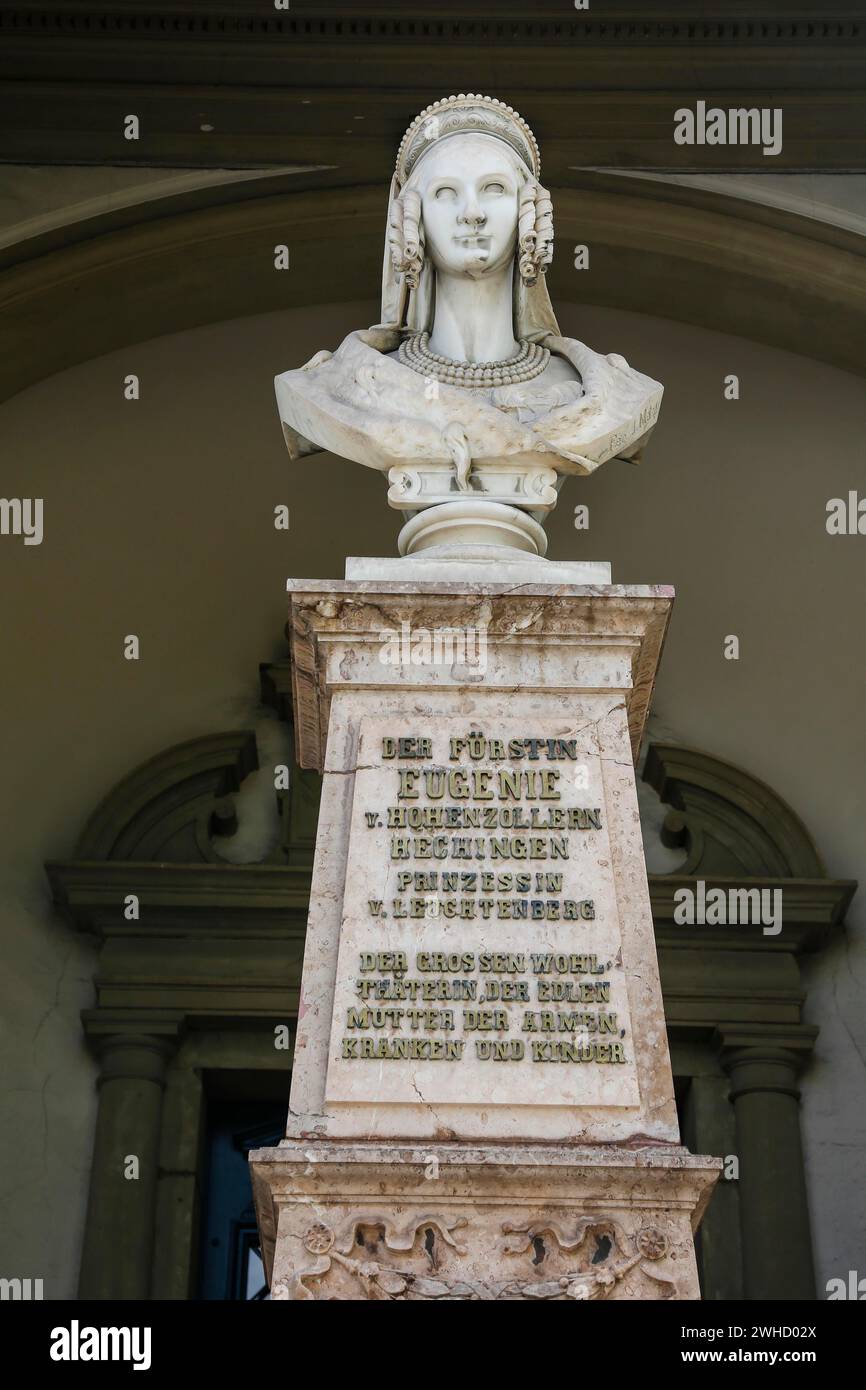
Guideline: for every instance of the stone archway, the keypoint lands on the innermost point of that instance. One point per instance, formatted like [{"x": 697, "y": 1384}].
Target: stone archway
[{"x": 163, "y": 265}]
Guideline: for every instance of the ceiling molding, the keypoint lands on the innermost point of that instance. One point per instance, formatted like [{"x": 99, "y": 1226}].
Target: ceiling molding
[
  {"x": 245, "y": 85},
  {"x": 509, "y": 22}
]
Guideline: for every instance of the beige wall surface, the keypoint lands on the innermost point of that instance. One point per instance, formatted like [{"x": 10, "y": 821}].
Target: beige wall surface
[{"x": 159, "y": 522}]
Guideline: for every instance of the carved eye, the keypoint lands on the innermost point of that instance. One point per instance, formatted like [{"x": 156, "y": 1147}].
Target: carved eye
[
  {"x": 445, "y": 193},
  {"x": 495, "y": 188}
]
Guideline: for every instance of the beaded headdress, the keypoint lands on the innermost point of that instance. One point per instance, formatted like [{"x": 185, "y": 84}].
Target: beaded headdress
[{"x": 456, "y": 115}]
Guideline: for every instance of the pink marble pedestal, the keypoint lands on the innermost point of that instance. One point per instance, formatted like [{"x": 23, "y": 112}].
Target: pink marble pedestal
[{"x": 482, "y": 1103}]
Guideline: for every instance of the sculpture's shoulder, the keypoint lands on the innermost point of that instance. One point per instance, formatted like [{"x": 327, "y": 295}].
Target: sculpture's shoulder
[
  {"x": 315, "y": 400},
  {"x": 600, "y": 372},
  {"x": 618, "y": 403},
  {"x": 380, "y": 340}
]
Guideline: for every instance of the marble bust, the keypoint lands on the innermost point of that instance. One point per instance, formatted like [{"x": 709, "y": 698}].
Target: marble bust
[{"x": 466, "y": 394}]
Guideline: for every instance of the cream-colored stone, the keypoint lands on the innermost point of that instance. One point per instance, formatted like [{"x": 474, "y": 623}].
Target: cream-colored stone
[
  {"x": 477, "y": 564},
  {"x": 480, "y": 1223},
  {"x": 571, "y": 664},
  {"x": 496, "y": 1090}
]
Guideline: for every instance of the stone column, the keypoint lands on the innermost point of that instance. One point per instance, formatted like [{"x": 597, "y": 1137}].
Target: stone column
[
  {"x": 134, "y": 1050},
  {"x": 776, "y": 1239}
]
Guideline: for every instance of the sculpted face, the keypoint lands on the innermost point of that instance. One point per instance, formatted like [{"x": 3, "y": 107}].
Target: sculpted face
[{"x": 470, "y": 186}]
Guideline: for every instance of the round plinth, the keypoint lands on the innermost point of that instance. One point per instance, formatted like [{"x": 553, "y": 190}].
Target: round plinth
[{"x": 472, "y": 522}]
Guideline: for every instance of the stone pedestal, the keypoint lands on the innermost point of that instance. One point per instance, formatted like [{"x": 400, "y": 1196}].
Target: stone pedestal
[{"x": 482, "y": 1103}]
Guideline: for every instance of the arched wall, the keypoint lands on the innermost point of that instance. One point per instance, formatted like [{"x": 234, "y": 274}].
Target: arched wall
[{"x": 133, "y": 261}]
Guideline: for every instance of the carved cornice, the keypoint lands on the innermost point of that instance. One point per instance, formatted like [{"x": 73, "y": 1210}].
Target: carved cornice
[
  {"x": 245, "y": 85},
  {"x": 812, "y": 908},
  {"x": 208, "y": 900},
  {"x": 203, "y": 938},
  {"x": 739, "y": 834},
  {"x": 222, "y": 942},
  {"x": 508, "y": 23},
  {"x": 628, "y": 621}
]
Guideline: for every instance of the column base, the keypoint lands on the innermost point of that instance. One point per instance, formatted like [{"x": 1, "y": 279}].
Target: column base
[{"x": 343, "y": 1221}]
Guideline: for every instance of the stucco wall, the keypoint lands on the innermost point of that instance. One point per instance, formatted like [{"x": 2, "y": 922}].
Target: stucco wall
[{"x": 159, "y": 522}]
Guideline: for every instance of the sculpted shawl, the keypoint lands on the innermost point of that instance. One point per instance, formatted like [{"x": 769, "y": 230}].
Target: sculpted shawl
[{"x": 364, "y": 405}]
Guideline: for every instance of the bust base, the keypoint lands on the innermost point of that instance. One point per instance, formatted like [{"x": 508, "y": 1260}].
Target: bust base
[{"x": 473, "y": 522}]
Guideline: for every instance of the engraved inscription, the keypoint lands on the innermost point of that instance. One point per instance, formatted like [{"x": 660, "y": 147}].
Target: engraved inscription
[{"x": 492, "y": 936}]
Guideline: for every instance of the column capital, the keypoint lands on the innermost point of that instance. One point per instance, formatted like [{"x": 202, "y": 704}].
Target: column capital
[
  {"x": 134, "y": 1044},
  {"x": 765, "y": 1059}
]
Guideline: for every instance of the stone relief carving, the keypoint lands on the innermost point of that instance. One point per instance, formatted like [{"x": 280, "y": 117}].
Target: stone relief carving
[{"x": 601, "y": 1255}]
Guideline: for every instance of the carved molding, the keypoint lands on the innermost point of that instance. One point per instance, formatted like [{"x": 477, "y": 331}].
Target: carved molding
[
  {"x": 432, "y": 484},
  {"x": 166, "y": 804},
  {"x": 729, "y": 821},
  {"x": 636, "y": 622},
  {"x": 146, "y": 881},
  {"x": 449, "y": 23}
]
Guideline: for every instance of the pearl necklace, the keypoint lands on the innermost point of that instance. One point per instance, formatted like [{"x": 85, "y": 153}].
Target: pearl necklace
[{"x": 529, "y": 362}]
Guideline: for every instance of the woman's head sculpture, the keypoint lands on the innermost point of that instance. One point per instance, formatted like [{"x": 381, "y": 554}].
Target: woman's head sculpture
[
  {"x": 448, "y": 154},
  {"x": 423, "y": 158}
]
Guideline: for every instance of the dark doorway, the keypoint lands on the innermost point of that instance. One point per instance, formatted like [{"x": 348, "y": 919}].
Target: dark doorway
[{"x": 230, "y": 1266}]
